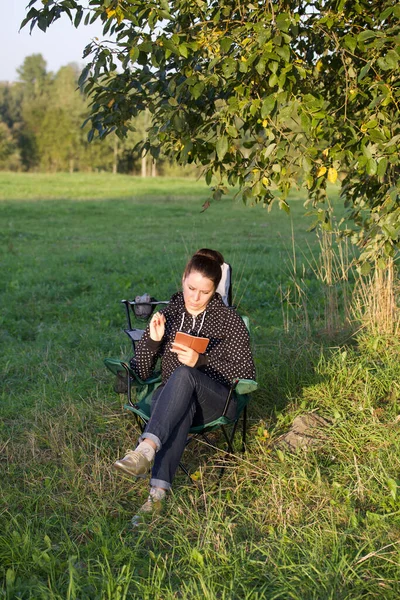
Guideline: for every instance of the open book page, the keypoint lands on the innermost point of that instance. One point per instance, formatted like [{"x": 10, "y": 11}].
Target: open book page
[{"x": 197, "y": 343}]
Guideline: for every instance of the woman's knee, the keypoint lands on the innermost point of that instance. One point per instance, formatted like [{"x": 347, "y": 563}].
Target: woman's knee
[{"x": 183, "y": 375}]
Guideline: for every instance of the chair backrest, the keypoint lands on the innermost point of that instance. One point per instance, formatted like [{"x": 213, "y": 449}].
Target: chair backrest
[{"x": 225, "y": 285}]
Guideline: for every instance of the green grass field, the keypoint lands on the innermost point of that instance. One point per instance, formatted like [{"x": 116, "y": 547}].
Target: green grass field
[{"x": 317, "y": 524}]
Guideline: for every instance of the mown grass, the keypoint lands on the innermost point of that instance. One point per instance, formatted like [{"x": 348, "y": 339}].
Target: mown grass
[{"x": 316, "y": 524}]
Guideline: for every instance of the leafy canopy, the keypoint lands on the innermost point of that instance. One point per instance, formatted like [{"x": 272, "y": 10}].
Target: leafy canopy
[{"x": 263, "y": 95}]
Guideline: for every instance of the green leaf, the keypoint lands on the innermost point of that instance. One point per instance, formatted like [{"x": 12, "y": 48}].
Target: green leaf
[
  {"x": 217, "y": 17},
  {"x": 391, "y": 231},
  {"x": 228, "y": 67},
  {"x": 225, "y": 44},
  {"x": 381, "y": 264},
  {"x": 260, "y": 66},
  {"x": 10, "y": 579},
  {"x": 365, "y": 269},
  {"x": 221, "y": 147},
  {"x": 392, "y": 59},
  {"x": 367, "y": 152},
  {"x": 392, "y": 485},
  {"x": 371, "y": 167},
  {"x": 283, "y": 21},
  {"x": 168, "y": 44},
  {"x": 306, "y": 164},
  {"x": 383, "y": 64},
  {"x": 254, "y": 107},
  {"x": 197, "y": 557},
  {"x": 256, "y": 189},
  {"x": 232, "y": 131},
  {"x": 284, "y": 206},
  {"x": 382, "y": 166},
  {"x": 183, "y": 50},
  {"x": 267, "y": 106},
  {"x": 376, "y": 135},
  {"x": 134, "y": 54},
  {"x": 351, "y": 42},
  {"x": 273, "y": 66},
  {"x": 273, "y": 80},
  {"x": 179, "y": 123},
  {"x": 283, "y": 52},
  {"x": 366, "y": 35},
  {"x": 84, "y": 74},
  {"x": 364, "y": 71},
  {"x": 78, "y": 18},
  {"x": 386, "y": 13},
  {"x": 42, "y": 22},
  {"x": 371, "y": 124},
  {"x": 197, "y": 90},
  {"x": 268, "y": 151},
  {"x": 280, "y": 456}
]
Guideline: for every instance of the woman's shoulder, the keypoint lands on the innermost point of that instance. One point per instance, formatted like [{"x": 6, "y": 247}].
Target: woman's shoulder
[
  {"x": 228, "y": 313},
  {"x": 233, "y": 317},
  {"x": 176, "y": 299},
  {"x": 175, "y": 303}
]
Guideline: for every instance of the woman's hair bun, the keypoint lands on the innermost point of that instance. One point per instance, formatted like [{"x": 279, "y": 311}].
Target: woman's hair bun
[
  {"x": 208, "y": 263},
  {"x": 213, "y": 254}
]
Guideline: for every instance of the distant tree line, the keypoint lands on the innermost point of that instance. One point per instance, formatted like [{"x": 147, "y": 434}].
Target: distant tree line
[{"x": 41, "y": 117}]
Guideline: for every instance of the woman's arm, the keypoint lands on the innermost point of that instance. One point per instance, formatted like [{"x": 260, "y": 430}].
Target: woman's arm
[
  {"x": 231, "y": 357},
  {"x": 149, "y": 348}
]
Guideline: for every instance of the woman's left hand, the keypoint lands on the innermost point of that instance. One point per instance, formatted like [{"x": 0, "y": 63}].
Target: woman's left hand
[{"x": 187, "y": 356}]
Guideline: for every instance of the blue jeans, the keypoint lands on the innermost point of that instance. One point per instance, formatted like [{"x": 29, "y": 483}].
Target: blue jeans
[{"x": 188, "y": 398}]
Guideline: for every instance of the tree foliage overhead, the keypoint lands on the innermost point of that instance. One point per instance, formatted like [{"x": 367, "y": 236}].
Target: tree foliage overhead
[{"x": 262, "y": 95}]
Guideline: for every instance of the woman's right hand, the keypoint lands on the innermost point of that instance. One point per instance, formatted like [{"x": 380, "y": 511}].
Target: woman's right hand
[{"x": 157, "y": 327}]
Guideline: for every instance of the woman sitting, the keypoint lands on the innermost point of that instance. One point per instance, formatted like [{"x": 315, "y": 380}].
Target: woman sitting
[{"x": 194, "y": 386}]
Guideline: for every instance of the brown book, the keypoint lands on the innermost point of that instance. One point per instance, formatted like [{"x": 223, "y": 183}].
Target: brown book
[{"x": 197, "y": 343}]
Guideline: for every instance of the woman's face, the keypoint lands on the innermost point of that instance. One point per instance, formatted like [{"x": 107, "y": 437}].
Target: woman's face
[{"x": 197, "y": 292}]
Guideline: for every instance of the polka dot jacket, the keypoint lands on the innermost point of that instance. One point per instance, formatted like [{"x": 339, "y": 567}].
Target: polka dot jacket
[{"x": 228, "y": 355}]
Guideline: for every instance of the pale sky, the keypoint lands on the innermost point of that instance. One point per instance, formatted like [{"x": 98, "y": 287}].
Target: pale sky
[{"x": 59, "y": 46}]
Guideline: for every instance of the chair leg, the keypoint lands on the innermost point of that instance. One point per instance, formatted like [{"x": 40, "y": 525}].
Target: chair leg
[
  {"x": 244, "y": 429},
  {"x": 188, "y": 441},
  {"x": 184, "y": 469},
  {"x": 141, "y": 423},
  {"x": 207, "y": 439},
  {"x": 229, "y": 439}
]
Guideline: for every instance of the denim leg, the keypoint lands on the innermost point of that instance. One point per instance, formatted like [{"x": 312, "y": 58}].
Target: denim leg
[
  {"x": 189, "y": 398},
  {"x": 167, "y": 459}
]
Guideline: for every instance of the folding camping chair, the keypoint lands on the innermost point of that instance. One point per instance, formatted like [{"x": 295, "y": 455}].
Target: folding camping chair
[{"x": 140, "y": 392}]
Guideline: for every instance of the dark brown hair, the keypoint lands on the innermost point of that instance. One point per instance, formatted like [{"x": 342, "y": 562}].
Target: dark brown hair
[{"x": 208, "y": 263}]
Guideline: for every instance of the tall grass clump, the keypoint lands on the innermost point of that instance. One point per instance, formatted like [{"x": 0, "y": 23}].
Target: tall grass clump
[
  {"x": 376, "y": 305},
  {"x": 329, "y": 267}
]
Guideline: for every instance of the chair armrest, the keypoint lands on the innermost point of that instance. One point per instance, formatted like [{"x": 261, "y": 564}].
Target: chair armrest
[
  {"x": 240, "y": 387},
  {"x": 153, "y": 379},
  {"x": 246, "y": 386}
]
